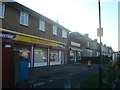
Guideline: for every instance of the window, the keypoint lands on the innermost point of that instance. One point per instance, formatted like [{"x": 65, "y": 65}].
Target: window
[
  {"x": 90, "y": 53},
  {"x": 42, "y": 25},
  {"x": 88, "y": 43},
  {"x": 98, "y": 54},
  {"x": 78, "y": 54},
  {"x": 2, "y": 7},
  {"x": 64, "y": 34},
  {"x": 24, "y": 18},
  {"x": 72, "y": 55},
  {"x": 40, "y": 55},
  {"x": 54, "y": 30}
]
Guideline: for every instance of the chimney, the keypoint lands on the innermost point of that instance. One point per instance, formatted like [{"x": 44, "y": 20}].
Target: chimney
[
  {"x": 105, "y": 45},
  {"x": 57, "y": 21},
  {"x": 86, "y": 35},
  {"x": 95, "y": 40}
]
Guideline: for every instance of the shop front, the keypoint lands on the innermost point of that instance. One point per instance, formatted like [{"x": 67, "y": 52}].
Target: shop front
[
  {"x": 40, "y": 52},
  {"x": 75, "y": 52},
  {"x": 75, "y": 56}
]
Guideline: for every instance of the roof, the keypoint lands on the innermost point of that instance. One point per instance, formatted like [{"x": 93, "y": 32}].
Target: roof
[
  {"x": 34, "y": 13},
  {"x": 80, "y": 35}
]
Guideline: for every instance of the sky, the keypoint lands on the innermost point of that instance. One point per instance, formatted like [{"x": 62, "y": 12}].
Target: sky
[{"x": 81, "y": 16}]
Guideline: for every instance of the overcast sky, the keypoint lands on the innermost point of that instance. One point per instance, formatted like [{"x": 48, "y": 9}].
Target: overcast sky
[{"x": 81, "y": 16}]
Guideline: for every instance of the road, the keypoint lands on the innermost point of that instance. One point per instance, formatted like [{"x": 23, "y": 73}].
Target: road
[{"x": 60, "y": 76}]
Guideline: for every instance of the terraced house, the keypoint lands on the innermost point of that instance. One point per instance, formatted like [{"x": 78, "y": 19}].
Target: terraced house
[
  {"x": 36, "y": 37},
  {"x": 82, "y": 48}
]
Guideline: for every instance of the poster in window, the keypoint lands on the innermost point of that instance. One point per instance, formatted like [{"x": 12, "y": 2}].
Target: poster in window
[
  {"x": 54, "y": 56},
  {"x": 23, "y": 52}
]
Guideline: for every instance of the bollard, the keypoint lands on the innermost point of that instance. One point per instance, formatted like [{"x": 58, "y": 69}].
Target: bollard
[
  {"x": 89, "y": 63},
  {"x": 67, "y": 81}
]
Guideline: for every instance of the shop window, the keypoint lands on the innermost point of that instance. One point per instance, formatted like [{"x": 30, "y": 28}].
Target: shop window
[
  {"x": 24, "y": 18},
  {"x": 54, "y": 29},
  {"x": 78, "y": 55},
  {"x": 40, "y": 55},
  {"x": 42, "y": 25},
  {"x": 71, "y": 55},
  {"x": 24, "y": 52},
  {"x": 2, "y": 8}
]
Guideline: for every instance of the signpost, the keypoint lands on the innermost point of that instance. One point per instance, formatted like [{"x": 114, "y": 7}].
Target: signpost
[{"x": 100, "y": 34}]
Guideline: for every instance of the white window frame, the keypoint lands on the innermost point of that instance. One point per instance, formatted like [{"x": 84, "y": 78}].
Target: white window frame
[
  {"x": 88, "y": 43},
  {"x": 3, "y": 10},
  {"x": 54, "y": 30},
  {"x": 64, "y": 33},
  {"x": 90, "y": 52},
  {"x": 25, "y": 18},
  {"x": 41, "y": 25}
]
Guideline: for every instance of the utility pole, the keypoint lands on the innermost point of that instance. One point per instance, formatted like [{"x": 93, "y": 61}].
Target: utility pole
[{"x": 100, "y": 33}]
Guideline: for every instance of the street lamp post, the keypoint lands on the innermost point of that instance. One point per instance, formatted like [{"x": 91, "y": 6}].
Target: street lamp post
[{"x": 100, "y": 31}]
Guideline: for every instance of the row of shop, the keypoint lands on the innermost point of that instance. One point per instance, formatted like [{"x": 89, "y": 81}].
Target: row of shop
[
  {"x": 39, "y": 52},
  {"x": 44, "y": 52},
  {"x": 74, "y": 52}
]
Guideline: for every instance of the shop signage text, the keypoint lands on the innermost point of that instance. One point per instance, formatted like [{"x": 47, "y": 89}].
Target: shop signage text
[
  {"x": 60, "y": 45},
  {"x": 23, "y": 38},
  {"x": 8, "y": 35},
  {"x": 75, "y": 44}
]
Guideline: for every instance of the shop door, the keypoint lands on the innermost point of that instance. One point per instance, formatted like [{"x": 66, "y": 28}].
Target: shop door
[
  {"x": 7, "y": 68},
  {"x": 78, "y": 56},
  {"x": 55, "y": 57},
  {"x": 72, "y": 56}
]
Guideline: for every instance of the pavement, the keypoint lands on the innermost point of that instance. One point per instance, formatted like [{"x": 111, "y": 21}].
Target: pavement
[{"x": 60, "y": 76}]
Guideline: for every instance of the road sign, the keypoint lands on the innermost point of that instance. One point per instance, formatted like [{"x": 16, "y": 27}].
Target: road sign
[{"x": 100, "y": 32}]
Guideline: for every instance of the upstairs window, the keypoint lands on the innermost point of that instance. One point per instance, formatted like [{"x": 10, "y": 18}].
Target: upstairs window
[
  {"x": 88, "y": 43},
  {"x": 2, "y": 8},
  {"x": 24, "y": 18},
  {"x": 54, "y": 29},
  {"x": 42, "y": 25},
  {"x": 64, "y": 34}
]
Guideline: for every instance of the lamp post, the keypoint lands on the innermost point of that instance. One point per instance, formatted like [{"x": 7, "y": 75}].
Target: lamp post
[{"x": 100, "y": 34}]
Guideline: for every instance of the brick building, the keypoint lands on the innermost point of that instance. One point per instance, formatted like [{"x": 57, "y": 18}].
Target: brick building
[{"x": 36, "y": 37}]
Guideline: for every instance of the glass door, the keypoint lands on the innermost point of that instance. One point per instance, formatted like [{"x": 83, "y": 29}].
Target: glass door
[
  {"x": 78, "y": 56},
  {"x": 72, "y": 56}
]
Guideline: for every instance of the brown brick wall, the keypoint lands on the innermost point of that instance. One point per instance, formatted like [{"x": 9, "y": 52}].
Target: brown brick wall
[
  {"x": 0, "y": 23},
  {"x": 11, "y": 21}
]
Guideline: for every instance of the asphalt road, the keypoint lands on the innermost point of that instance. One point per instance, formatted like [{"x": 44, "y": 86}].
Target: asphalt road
[{"x": 60, "y": 76}]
